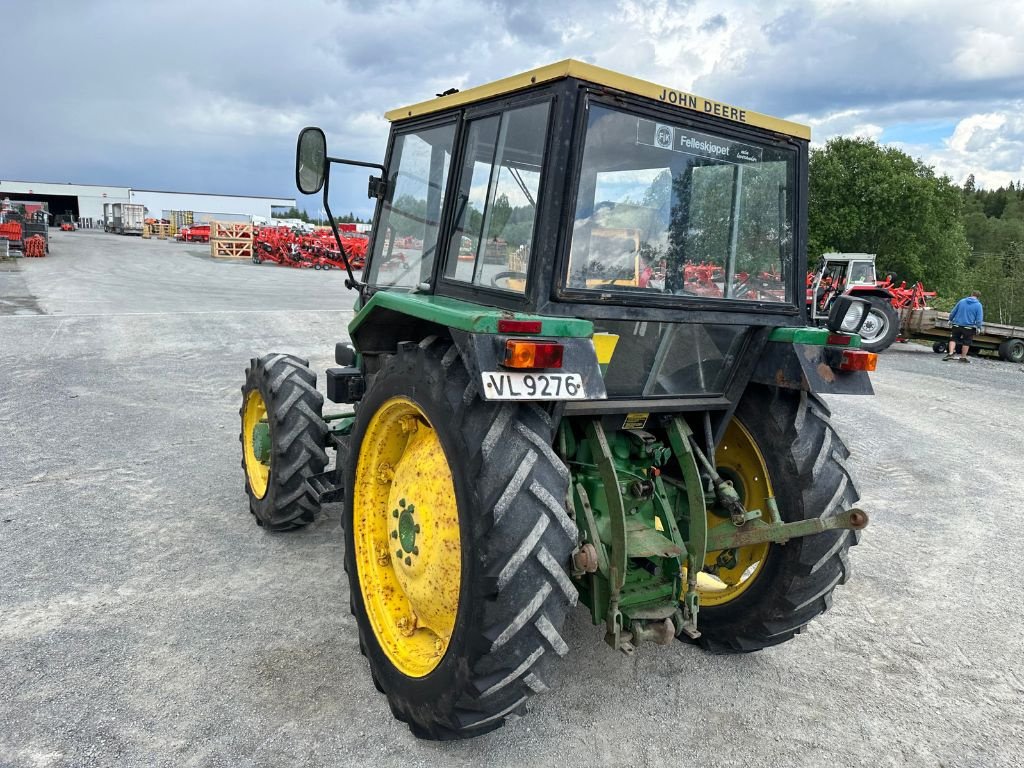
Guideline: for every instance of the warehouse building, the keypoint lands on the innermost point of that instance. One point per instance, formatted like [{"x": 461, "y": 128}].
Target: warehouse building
[
  {"x": 159, "y": 205},
  {"x": 85, "y": 201},
  {"x": 80, "y": 200}
]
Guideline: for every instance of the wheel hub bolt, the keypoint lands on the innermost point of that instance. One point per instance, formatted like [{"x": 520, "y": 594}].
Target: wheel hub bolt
[{"x": 405, "y": 626}]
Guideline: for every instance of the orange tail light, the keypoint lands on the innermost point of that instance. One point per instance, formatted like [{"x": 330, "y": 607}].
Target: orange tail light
[{"x": 532, "y": 354}]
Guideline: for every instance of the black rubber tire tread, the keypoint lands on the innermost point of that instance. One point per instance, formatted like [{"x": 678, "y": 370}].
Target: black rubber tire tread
[
  {"x": 940, "y": 347},
  {"x": 885, "y": 307},
  {"x": 298, "y": 436},
  {"x": 1012, "y": 350},
  {"x": 517, "y": 540},
  {"x": 806, "y": 461}
]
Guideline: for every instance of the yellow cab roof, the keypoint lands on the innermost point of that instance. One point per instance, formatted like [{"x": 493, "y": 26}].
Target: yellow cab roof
[{"x": 606, "y": 77}]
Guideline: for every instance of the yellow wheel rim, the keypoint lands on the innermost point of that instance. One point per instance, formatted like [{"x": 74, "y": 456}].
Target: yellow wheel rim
[
  {"x": 729, "y": 574},
  {"x": 405, "y": 531},
  {"x": 256, "y": 470}
]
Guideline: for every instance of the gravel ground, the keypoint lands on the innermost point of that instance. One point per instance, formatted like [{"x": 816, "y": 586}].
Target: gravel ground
[{"x": 145, "y": 620}]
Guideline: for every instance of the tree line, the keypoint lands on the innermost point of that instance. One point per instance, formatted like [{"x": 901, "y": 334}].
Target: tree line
[
  {"x": 865, "y": 197},
  {"x": 296, "y": 213}
]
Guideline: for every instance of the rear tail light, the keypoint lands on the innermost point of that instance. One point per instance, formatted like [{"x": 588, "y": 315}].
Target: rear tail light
[
  {"x": 858, "y": 360},
  {"x": 532, "y": 354}
]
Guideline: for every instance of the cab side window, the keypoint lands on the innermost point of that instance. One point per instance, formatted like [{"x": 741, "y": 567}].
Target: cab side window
[
  {"x": 496, "y": 199},
  {"x": 406, "y": 239}
]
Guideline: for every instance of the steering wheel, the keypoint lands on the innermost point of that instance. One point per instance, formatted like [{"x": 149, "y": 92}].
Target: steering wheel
[{"x": 506, "y": 276}]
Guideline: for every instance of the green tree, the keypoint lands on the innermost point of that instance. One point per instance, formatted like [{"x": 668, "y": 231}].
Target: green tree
[
  {"x": 994, "y": 225},
  {"x": 867, "y": 198},
  {"x": 501, "y": 211}
]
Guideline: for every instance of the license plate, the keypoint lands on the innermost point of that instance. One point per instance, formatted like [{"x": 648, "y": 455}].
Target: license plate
[{"x": 500, "y": 385}]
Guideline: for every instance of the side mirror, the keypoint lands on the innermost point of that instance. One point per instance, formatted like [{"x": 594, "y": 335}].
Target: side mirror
[
  {"x": 310, "y": 161},
  {"x": 847, "y": 314}
]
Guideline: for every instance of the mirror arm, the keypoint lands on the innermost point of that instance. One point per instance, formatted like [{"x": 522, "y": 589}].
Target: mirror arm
[
  {"x": 360, "y": 163},
  {"x": 351, "y": 282}
]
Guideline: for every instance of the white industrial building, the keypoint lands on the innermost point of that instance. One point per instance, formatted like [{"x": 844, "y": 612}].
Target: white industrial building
[
  {"x": 205, "y": 207},
  {"x": 85, "y": 201}
]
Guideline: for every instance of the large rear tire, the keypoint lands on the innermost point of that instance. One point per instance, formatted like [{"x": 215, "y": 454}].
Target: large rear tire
[
  {"x": 882, "y": 325},
  {"x": 799, "y": 456},
  {"x": 283, "y": 440},
  {"x": 457, "y": 544}
]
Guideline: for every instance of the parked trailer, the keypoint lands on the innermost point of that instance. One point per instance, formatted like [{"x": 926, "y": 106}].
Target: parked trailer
[
  {"x": 128, "y": 218},
  {"x": 930, "y": 324},
  {"x": 108, "y": 217}
]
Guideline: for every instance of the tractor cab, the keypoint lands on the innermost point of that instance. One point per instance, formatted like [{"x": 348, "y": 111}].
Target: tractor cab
[
  {"x": 836, "y": 273},
  {"x": 574, "y": 192},
  {"x": 579, "y": 371},
  {"x": 853, "y": 274}
]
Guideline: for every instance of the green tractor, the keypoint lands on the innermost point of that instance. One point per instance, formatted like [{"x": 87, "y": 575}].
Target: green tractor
[{"x": 580, "y": 372}]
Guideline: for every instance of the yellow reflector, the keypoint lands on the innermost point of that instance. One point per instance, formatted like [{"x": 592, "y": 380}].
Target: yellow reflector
[{"x": 604, "y": 345}]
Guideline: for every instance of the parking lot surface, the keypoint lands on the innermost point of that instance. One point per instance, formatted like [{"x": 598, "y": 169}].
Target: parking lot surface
[{"x": 146, "y": 620}]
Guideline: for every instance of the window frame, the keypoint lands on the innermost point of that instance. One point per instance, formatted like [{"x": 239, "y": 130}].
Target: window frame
[
  {"x": 429, "y": 123},
  {"x": 563, "y": 294},
  {"x": 469, "y": 291}
]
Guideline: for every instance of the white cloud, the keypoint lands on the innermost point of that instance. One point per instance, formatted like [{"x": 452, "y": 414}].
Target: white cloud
[
  {"x": 848, "y": 122},
  {"x": 989, "y": 145},
  {"x": 228, "y": 93}
]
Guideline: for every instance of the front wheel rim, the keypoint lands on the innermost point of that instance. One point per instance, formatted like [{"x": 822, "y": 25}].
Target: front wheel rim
[
  {"x": 874, "y": 326},
  {"x": 406, "y": 537},
  {"x": 254, "y": 421},
  {"x": 733, "y": 572}
]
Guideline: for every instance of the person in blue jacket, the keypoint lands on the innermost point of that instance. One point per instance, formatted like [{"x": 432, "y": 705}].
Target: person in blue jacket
[{"x": 966, "y": 319}]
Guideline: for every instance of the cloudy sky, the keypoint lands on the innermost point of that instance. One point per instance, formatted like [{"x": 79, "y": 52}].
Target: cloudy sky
[{"x": 208, "y": 96}]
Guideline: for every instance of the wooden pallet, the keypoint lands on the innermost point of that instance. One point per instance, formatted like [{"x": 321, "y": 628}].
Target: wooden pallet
[
  {"x": 231, "y": 249},
  {"x": 160, "y": 231},
  {"x": 230, "y": 230}
]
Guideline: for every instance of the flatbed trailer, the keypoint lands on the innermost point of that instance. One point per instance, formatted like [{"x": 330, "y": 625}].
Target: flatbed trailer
[{"x": 932, "y": 325}]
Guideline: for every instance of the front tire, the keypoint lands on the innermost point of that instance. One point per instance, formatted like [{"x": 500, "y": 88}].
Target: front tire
[
  {"x": 804, "y": 462},
  {"x": 283, "y": 440},
  {"x": 493, "y": 544}
]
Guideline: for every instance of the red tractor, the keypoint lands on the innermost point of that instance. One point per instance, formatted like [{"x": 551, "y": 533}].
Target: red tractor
[{"x": 853, "y": 274}]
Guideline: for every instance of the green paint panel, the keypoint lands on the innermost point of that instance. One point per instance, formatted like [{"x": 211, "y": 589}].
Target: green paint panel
[
  {"x": 812, "y": 336},
  {"x": 464, "y": 315}
]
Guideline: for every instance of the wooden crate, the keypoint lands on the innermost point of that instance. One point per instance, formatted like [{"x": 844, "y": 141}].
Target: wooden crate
[
  {"x": 159, "y": 231},
  {"x": 230, "y": 230},
  {"x": 231, "y": 249}
]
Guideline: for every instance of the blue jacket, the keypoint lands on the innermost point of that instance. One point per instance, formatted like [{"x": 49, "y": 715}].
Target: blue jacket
[{"x": 967, "y": 313}]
